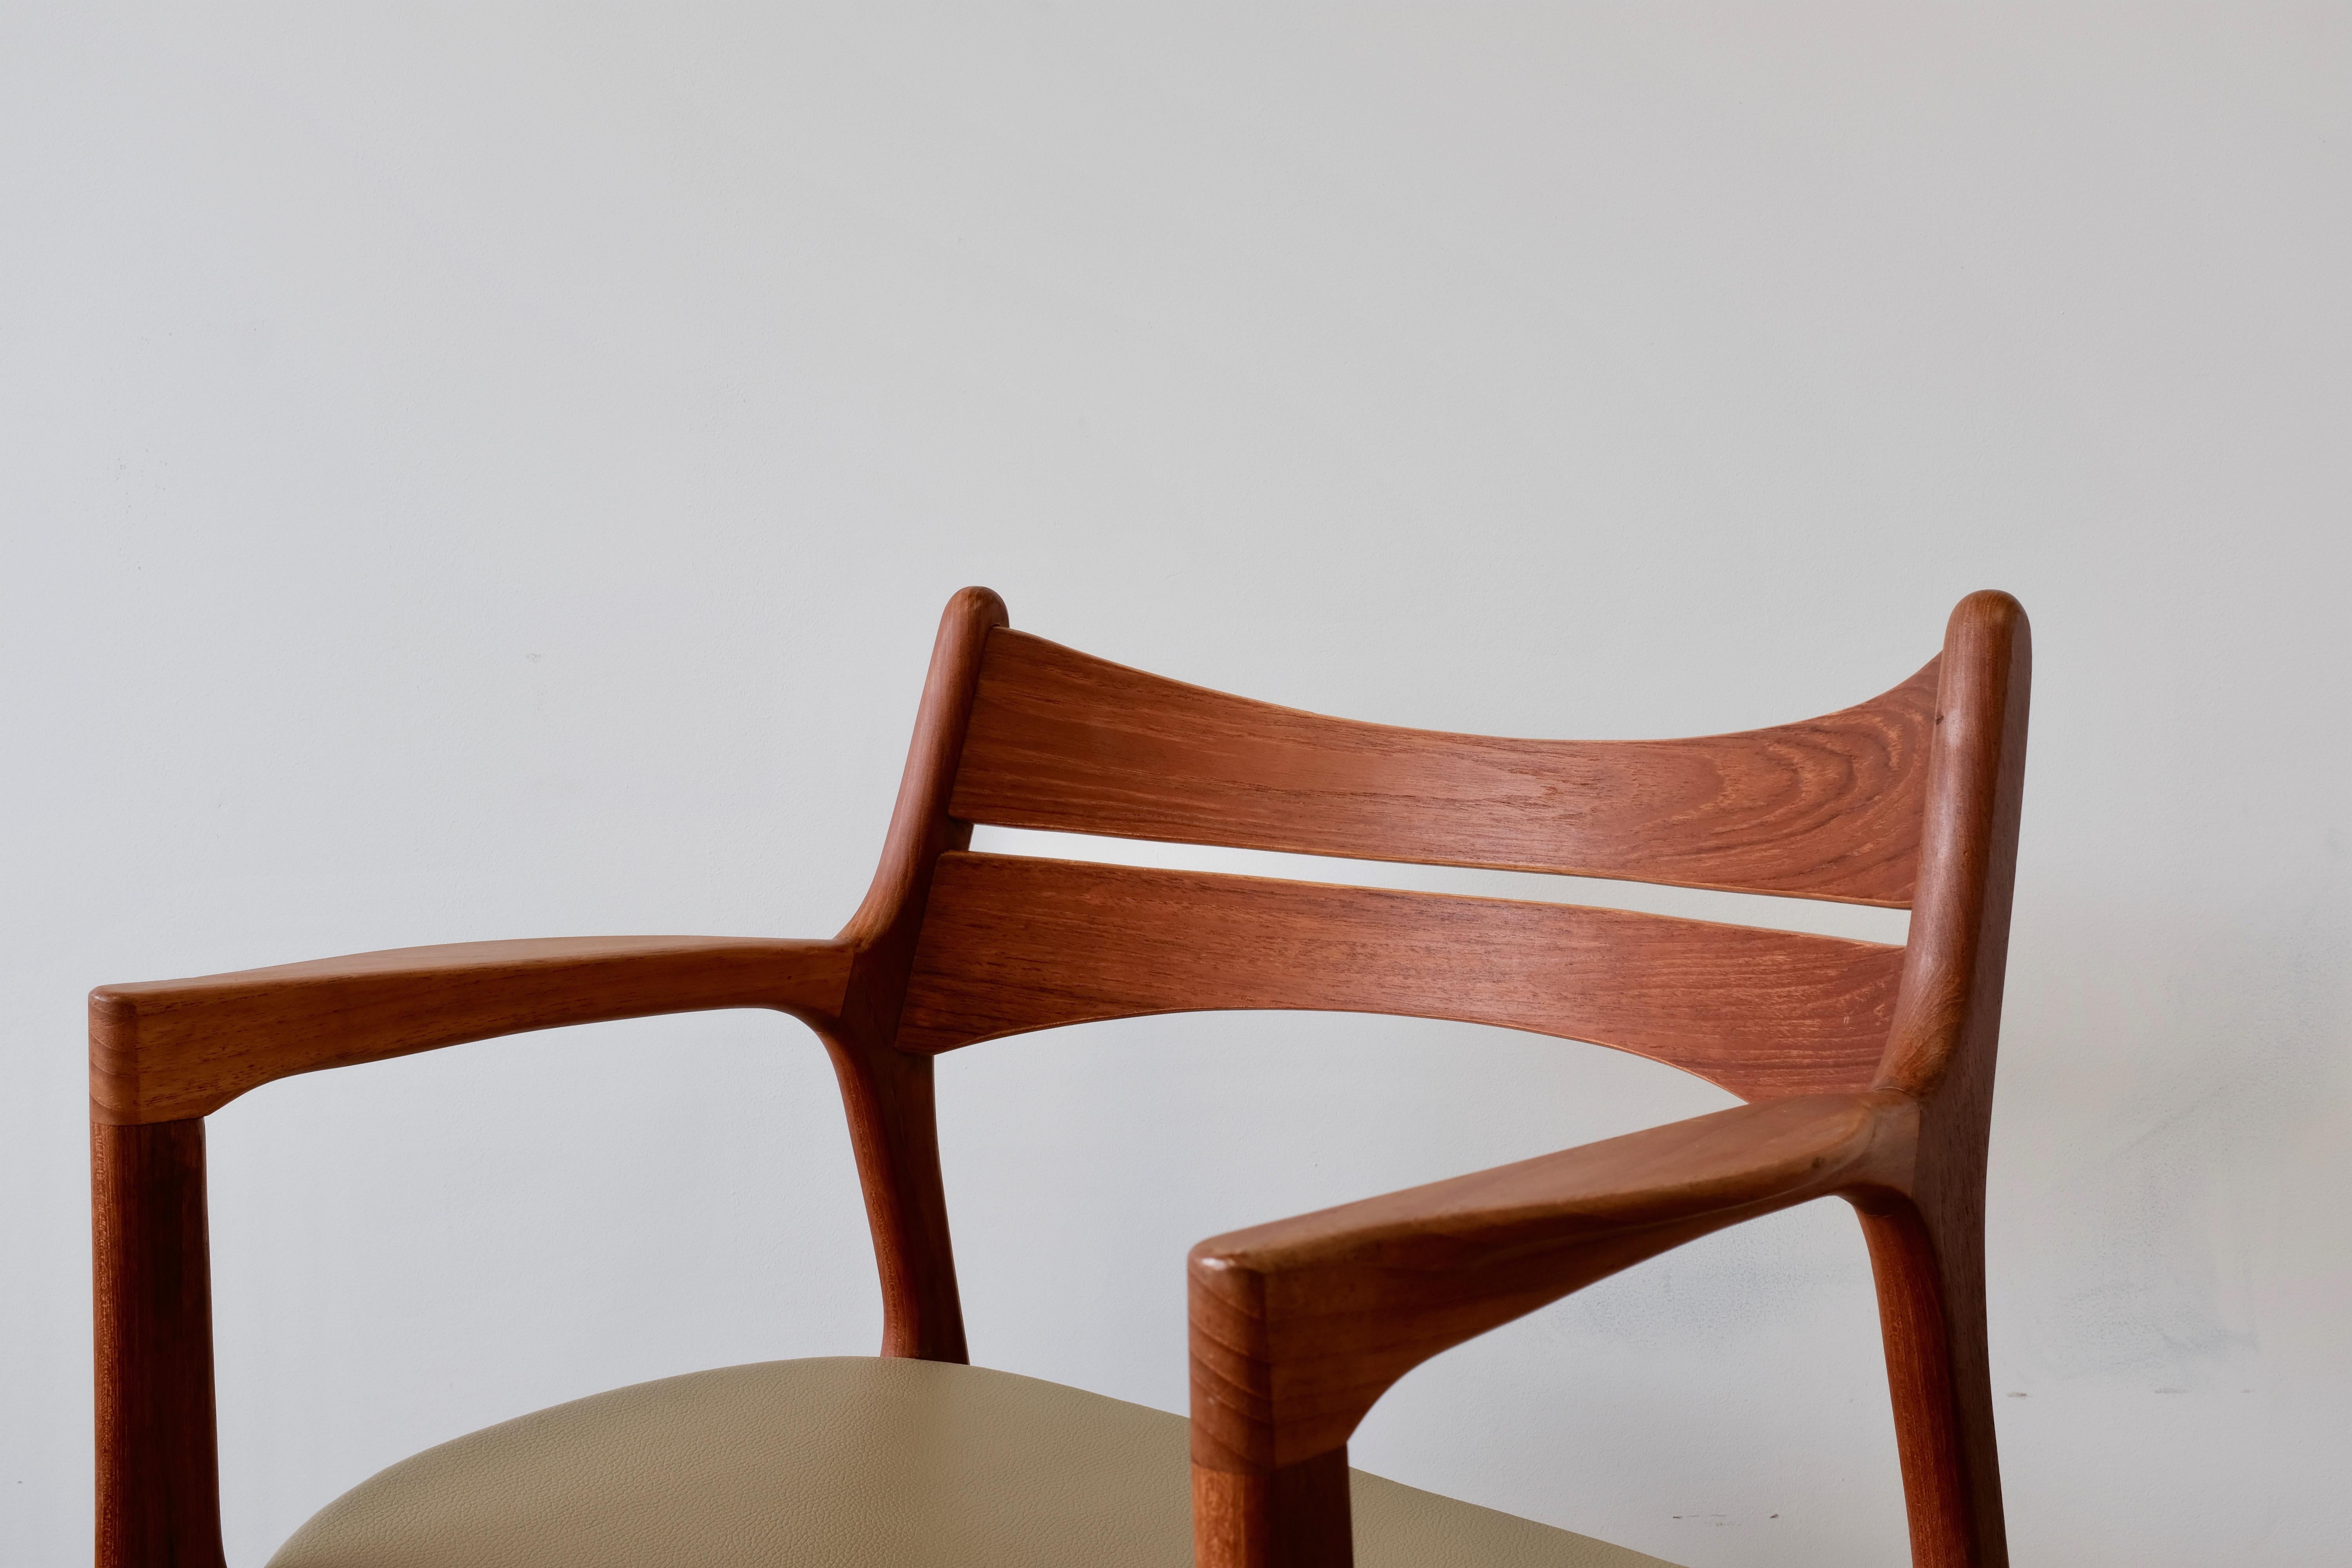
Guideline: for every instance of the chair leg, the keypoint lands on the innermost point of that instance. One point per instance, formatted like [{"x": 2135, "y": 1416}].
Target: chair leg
[
  {"x": 1294, "y": 1517},
  {"x": 158, "y": 1471},
  {"x": 894, "y": 1133},
  {"x": 1930, "y": 1279}
]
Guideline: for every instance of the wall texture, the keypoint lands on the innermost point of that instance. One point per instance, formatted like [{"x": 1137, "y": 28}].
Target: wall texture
[{"x": 491, "y": 471}]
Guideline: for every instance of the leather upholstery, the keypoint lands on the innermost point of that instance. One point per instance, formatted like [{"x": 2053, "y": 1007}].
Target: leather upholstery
[{"x": 851, "y": 1462}]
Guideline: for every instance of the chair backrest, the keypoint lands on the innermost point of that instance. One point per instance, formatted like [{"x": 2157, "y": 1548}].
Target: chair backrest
[{"x": 1832, "y": 808}]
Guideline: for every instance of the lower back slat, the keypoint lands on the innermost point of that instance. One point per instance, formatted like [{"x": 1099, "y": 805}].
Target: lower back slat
[{"x": 1012, "y": 944}]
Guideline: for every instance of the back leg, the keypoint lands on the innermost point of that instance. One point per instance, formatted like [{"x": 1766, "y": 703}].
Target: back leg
[{"x": 1930, "y": 1279}]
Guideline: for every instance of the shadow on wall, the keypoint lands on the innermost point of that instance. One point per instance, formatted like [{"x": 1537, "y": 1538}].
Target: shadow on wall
[{"x": 2155, "y": 1130}]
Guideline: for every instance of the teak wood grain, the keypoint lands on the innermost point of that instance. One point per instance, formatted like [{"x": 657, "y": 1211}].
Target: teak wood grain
[
  {"x": 893, "y": 1128},
  {"x": 158, "y": 1466},
  {"x": 1290, "y": 1348},
  {"x": 1015, "y": 943},
  {"x": 1828, "y": 808},
  {"x": 1297, "y": 1327},
  {"x": 168, "y": 1050},
  {"x": 1870, "y": 1068},
  {"x": 1926, "y": 1244}
]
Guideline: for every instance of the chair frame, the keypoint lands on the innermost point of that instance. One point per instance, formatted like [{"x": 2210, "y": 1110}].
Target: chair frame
[{"x": 1296, "y": 1327}]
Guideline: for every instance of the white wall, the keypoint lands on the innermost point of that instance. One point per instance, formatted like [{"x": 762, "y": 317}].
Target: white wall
[{"x": 483, "y": 471}]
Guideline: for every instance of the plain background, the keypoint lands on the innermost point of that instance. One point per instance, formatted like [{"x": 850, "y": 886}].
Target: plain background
[{"x": 488, "y": 471}]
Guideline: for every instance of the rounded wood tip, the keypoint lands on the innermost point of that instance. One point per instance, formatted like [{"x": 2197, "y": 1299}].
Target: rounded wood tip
[
  {"x": 1991, "y": 608},
  {"x": 984, "y": 604}
]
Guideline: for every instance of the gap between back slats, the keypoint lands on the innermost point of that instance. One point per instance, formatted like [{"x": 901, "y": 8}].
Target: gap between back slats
[
  {"x": 1825, "y": 808},
  {"x": 1015, "y": 943}
]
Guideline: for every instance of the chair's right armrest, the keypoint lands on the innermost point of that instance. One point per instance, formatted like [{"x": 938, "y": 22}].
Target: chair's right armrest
[{"x": 166, "y": 1050}]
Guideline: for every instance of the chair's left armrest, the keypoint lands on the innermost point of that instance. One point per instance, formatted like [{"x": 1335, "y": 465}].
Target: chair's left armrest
[
  {"x": 166, "y": 1050},
  {"x": 1297, "y": 1327}
]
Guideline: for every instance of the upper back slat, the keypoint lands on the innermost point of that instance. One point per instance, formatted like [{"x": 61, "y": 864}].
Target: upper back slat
[{"x": 1824, "y": 809}]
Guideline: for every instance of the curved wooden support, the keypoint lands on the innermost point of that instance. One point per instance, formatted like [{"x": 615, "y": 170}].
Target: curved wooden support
[
  {"x": 1948, "y": 1014},
  {"x": 894, "y": 1133},
  {"x": 1299, "y": 1326},
  {"x": 165, "y": 1050},
  {"x": 1931, "y": 1314},
  {"x": 1015, "y": 943},
  {"x": 893, "y": 1126},
  {"x": 1927, "y": 1249},
  {"x": 885, "y": 928}
]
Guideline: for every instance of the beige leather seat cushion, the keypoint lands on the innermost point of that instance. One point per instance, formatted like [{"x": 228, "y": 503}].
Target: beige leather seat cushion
[{"x": 851, "y": 1462}]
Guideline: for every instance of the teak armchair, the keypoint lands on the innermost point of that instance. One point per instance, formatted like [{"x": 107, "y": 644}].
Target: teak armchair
[{"x": 1867, "y": 1070}]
